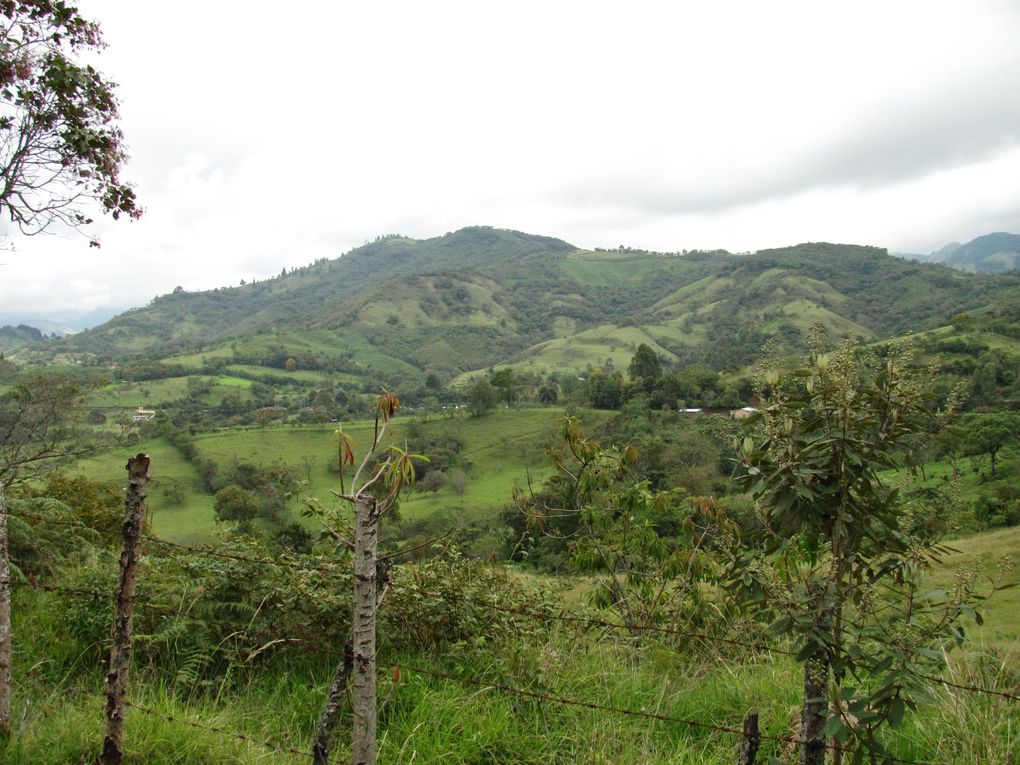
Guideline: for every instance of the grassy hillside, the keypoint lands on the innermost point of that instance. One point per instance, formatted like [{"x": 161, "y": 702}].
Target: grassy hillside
[{"x": 482, "y": 297}]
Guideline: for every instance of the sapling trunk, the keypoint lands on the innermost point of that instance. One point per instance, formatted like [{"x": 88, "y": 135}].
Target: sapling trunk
[
  {"x": 816, "y": 688},
  {"x": 366, "y": 540},
  {"x": 337, "y": 693}
]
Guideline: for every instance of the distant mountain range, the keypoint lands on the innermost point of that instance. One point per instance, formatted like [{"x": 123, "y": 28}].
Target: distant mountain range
[
  {"x": 989, "y": 254},
  {"x": 480, "y": 297},
  {"x": 60, "y": 323}
]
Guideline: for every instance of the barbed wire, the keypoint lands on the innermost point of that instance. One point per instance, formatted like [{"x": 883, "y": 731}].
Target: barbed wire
[
  {"x": 605, "y": 707},
  {"x": 593, "y": 621},
  {"x": 78, "y": 524},
  {"x": 222, "y": 731},
  {"x": 530, "y": 613},
  {"x": 159, "y": 608},
  {"x": 971, "y": 688}
]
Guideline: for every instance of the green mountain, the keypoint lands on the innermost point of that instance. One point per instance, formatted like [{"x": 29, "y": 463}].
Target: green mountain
[
  {"x": 12, "y": 337},
  {"x": 481, "y": 297},
  {"x": 989, "y": 254}
]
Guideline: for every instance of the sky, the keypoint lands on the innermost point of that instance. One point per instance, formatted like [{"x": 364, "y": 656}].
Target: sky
[{"x": 264, "y": 136}]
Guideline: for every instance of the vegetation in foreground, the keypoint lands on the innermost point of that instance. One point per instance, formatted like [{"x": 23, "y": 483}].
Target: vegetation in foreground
[{"x": 228, "y": 640}]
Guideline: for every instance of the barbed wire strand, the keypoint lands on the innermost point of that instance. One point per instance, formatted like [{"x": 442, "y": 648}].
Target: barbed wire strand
[
  {"x": 603, "y": 707},
  {"x": 165, "y": 609},
  {"x": 222, "y": 731},
  {"x": 566, "y": 618},
  {"x": 971, "y": 688},
  {"x": 577, "y": 619}
]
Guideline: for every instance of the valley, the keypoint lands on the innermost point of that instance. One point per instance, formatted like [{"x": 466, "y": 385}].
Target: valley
[{"x": 548, "y": 395}]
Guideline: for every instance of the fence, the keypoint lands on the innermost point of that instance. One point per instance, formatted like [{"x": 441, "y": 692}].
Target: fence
[{"x": 747, "y": 737}]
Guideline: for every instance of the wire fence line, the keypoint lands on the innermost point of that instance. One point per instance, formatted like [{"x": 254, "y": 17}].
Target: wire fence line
[
  {"x": 540, "y": 696},
  {"x": 560, "y": 617},
  {"x": 566, "y": 618},
  {"x": 271, "y": 745},
  {"x": 460, "y": 679}
]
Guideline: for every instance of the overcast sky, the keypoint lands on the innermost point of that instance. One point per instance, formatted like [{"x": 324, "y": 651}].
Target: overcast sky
[{"x": 265, "y": 135}]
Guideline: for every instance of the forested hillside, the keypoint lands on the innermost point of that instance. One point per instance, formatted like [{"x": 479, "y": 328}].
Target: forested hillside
[{"x": 484, "y": 297}]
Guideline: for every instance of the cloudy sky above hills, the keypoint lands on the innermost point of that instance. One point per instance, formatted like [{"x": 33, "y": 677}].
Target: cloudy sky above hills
[{"x": 265, "y": 136}]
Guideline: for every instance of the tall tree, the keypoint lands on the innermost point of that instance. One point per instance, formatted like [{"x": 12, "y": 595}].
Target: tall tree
[
  {"x": 481, "y": 398},
  {"x": 843, "y": 567},
  {"x": 61, "y": 150},
  {"x": 645, "y": 368},
  {"x": 37, "y": 418}
]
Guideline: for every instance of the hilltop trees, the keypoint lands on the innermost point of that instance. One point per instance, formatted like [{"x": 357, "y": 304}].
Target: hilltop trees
[{"x": 60, "y": 147}]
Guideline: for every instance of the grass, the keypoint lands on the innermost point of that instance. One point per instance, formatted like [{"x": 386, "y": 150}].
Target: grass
[
  {"x": 501, "y": 448},
  {"x": 156, "y": 393},
  {"x": 458, "y": 718},
  {"x": 987, "y": 552},
  {"x": 188, "y": 521}
]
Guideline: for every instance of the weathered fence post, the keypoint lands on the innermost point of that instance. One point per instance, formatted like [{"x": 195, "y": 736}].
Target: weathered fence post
[
  {"x": 749, "y": 741},
  {"x": 5, "y": 624},
  {"x": 331, "y": 709},
  {"x": 363, "y": 703},
  {"x": 120, "y": 650}
]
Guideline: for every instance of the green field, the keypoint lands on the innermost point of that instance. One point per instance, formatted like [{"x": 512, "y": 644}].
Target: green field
[
  {"x": 188, "y": 521},
  {"x": 155, "y": 393},
  {"x": 501, "y": 448}
]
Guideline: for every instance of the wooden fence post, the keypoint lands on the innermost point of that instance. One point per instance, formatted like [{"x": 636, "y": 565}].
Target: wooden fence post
[
  {"x": 363, "y": 702},
  {"x": 120, "y": 650},
  {"x": 331, "y": 709},
  {"x": 749, "y": 741},
  {"x": 6, "y": 636}
]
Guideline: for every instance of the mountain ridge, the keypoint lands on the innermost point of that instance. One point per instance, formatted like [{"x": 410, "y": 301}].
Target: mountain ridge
[
  {"x": 481, "y": 297},
  {"x": 994, "y": 253}
]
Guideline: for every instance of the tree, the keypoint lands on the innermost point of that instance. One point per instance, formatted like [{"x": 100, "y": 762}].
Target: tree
[
  {"x": 989, "y": 433},
  {"x": 547, "y": 395},
  {"x": 611, "y": 518},
  {"x": 61, "y": 150},
  {"x": 481, "y": 398},
  {"x": 606, "y": 391},
  {"x": 233, "y": 503},
  {"x": 383, "y": 478},
  {"x": 505, "y": 381},
  {"x": 645, "y": 367},
  {"x": 840, "y": 568},
  {"x": 39, "y": 418},
  {"x": 37, "y": 428}
]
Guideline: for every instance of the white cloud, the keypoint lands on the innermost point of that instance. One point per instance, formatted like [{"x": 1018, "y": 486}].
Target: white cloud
[{"x": 263, "y": 139}]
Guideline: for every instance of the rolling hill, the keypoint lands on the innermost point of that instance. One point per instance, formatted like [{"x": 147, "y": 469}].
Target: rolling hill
[{"x": 481, "y": 297}]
